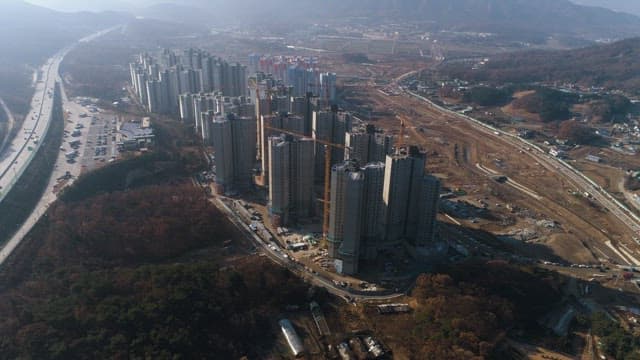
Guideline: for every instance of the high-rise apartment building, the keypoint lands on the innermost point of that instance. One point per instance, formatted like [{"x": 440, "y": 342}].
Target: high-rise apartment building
[
  {"x": 172, "y": 75},
  {"x": 346, "y": 215},
  {"x": 373, "y": 210},
  {"x": 268, "y": 128},
  {"x": 330, "y": 126},
  {"x": 367, "y": 145},
  {"x": 233, "y": 138},
  {"x": 428, "y": 212},
  {"x": 404, "y": 172},
  {"x": 222, "y": 140},
  {"x": 328, "y": 87},
  {"x": 187, "y": 112},
  {"x": 290, "y": 179}
]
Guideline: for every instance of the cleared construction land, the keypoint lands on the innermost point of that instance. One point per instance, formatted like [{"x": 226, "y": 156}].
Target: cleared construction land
[{"x": 537, "y": 209}]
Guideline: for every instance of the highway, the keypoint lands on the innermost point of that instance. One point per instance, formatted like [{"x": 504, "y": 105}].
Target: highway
[
  {"x": 21, "y": 155},
  {"x": 26, "y": 143},
  {"x": 553, "y": 164},
  {"x": 62, "y": 168}
]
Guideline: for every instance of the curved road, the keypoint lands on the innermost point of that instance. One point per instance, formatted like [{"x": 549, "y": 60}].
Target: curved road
[
  {"x": 42, "y": 106},
  {"x": 26, "y": 142},
  {"x": 277, "y": 256}
]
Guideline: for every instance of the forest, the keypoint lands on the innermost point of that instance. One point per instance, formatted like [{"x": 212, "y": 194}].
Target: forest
[
  {"x": 551, "y": 105},
  {"x": 104, "y": 281},
  {"x": 466, "y": 311},
  {"x": 616, "y": 341},
  {"x": 488, "y": 96},
  {"x": 167, "y": 311},
  {"x": 120, "y": 275},
  {"x": 578, "y": 134}
]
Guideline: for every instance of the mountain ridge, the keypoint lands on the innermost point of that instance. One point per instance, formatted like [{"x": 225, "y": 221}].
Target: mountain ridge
[
  {"x": 628, "y": 6},
  {"x": 613, "y": 66},
  {"x": 549, "y": 16},
  {"x": 31, "y": 32}
]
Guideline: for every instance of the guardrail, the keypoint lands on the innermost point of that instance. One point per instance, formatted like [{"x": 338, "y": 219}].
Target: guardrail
[{"x": 26, "y": 163}]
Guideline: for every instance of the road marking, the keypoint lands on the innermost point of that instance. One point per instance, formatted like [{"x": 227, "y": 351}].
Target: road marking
[
  {"x": 629, "y": 256},
  {"x": 615, "y": 250}
]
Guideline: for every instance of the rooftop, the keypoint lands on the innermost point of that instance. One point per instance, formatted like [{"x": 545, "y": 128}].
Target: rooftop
[{"x": 136, "y": 130}]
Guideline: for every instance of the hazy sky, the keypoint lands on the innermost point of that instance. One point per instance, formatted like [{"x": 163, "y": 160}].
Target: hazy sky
[
  {"x": 94, "y": 5},
  {"x": 631, "y": 6}
]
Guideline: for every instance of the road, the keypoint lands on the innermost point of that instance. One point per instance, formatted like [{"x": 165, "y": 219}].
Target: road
[
  {"x": 10, "y": 124},
  {"x": 26, "y": 143},
  {"x": 278, "y": 256},
  {"x": 558, "y": 166},
  {"x": 62, "y": 166}
]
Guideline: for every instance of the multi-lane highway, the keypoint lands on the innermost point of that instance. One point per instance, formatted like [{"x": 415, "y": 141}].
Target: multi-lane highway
[
  {"x": 64, "y": 171},
  {"x": 26, "y": 144}
]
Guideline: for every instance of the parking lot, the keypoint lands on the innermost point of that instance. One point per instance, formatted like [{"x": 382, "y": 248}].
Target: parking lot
[{"x": 101, "y": 147}]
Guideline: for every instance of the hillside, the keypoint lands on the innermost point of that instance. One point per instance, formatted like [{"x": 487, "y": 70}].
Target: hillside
[
  {"x": 30, "y": 34},
  {"x": 628, "y": 6},
  {"x": 110, "y": 284},
  {"x": 613, "y": 66},
  {"x": 148, "y": 273}
]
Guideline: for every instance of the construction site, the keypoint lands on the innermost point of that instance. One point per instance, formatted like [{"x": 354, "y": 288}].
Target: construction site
[
  {"x": 498, "y": 185},
  {"x": 500, "y": 196}
]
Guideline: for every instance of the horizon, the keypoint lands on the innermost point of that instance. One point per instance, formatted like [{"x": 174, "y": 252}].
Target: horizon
[{"x": 626, "y": 6}]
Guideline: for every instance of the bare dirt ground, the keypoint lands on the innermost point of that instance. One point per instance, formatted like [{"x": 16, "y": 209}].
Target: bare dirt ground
[
  {"x": 455, "y": 149},
  {"x": 610, "y": 173},
  {"x": 533, "y": 121}
]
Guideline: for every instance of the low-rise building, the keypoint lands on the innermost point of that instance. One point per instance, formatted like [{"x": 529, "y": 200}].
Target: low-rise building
[
  {"x": 136, "y": 134},
  {"x": 593, "y": 158},
  {"x": 559, "y": 153}
]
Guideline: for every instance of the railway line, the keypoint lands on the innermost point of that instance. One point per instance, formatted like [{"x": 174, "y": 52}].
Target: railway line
[
  {"x": 558, "y": 166},
  {"x": 609, "y": 220},
  {"x": 551, "y": 163}
]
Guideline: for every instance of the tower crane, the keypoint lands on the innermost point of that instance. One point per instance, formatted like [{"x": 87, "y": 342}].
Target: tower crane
[
  {"x": 403, "y": 126},
  {"x": 329, "y": 146}
]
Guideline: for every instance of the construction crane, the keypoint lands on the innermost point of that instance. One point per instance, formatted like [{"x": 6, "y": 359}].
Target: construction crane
[
  {"x": 402, "y": 129},
  {"x": 329, "y": 146},
  {"x": 259, "y": 114},
  {"x": 268, "y": 102}
]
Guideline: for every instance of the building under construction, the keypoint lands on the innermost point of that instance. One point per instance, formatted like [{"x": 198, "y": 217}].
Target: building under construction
[{"x": 290, "y": 179}]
